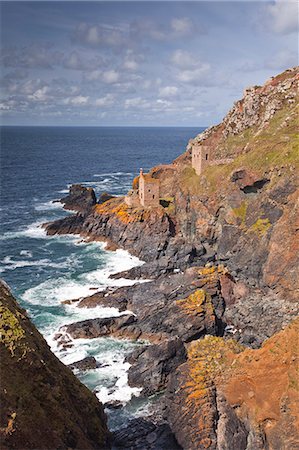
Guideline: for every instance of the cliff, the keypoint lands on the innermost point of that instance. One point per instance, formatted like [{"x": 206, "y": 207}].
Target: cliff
[
  {"x": 221, "y": 252},
  {"x": 230, "y": 398},
  {"x": 43, "y": 405},
  {"x": 238, "y": 211}
]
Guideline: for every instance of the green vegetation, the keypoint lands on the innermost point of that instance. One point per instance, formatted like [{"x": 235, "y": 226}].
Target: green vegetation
[
  {"x": 240, "y": 213},
  {"x": 168, "y": 204},
  {"x": 11, "y": 330},
  {"x": 260, "y": 227},
  {"x": 276, "y": 145}
]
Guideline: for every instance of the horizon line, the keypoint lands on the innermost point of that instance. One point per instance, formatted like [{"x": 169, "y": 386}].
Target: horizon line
[{"x": 104, "y": 126}]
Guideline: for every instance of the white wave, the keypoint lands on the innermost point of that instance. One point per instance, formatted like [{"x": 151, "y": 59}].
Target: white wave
[
  {"x": 26, "y": 253},
  {"x": 121, "y": 391},
  {"x": 112, "y": 174},
  {"x": 49, "y": 206},
  {"x": 10, "y": 264},
  {"x": 33, "y": 230}
]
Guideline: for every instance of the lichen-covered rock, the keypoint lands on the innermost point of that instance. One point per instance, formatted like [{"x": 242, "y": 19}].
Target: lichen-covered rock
[
  {"x": 43, "y": 405},
  {"x": 233, "y": 398}
]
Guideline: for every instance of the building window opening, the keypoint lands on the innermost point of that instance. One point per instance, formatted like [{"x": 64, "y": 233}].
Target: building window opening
[{"x": 206, "y": 156}]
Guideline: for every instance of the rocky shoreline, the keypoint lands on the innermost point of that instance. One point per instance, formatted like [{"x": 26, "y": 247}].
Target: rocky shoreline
[
  {"x": 215, "y": 304},
  {"x": 220, "y": 264}
]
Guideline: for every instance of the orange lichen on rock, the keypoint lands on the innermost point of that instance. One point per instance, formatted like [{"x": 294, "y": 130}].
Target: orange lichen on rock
[
  {"x": 260, "y": 385},
  {"x": 135, "y": 184},
  {"x": 212, "y": 273},
  {"x": 199, "y": 302},
  {"x": 265, "y": 386},
  {"x": 207, "y": 359},
  {"x": 9, "y": 429}
]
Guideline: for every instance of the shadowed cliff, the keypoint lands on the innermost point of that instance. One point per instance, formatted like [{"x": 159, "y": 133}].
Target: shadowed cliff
[{"x": 43, "y": 405}]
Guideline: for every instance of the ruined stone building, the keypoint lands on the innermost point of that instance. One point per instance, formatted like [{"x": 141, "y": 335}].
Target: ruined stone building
[
  {"x": 200, "y": 157},
  {"x": 148, "y": 193}
]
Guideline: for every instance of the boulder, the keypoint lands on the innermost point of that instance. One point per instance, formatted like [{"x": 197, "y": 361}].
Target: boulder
[
  {"x": 93, "y": 328},
  {"x": 79, "y": 199},
  {"x": 141, "y": 434},
  {"x": 152, "y": 365},
  {"x": 85, "y": 364}
]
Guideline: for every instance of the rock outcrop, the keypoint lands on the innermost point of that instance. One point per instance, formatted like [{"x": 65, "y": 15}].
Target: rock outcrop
[
  {"x": 43, "y": 405},
  {"x": 231, "y": 398},
  {"x": 80, "y": 198}
]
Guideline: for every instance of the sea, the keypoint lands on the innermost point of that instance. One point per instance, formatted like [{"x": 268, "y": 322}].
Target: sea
[{"x": 38, "y": 165}]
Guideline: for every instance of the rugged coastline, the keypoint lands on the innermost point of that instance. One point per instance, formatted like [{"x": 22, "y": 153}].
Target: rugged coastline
[
  {"x": 210, "y": 252},
  {"x": 217, "y": 313}
]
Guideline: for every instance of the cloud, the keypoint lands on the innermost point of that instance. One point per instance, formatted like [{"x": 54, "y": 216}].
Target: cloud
[
  {"x": 76, "y": 61},
  {"x": 136, "y": 102},
  {"x": 40, "y": 95},
  {"x": 189, "y": 68},
  {"x": 96, "y": 35},
  {"x": 175, "y": 28},
  {"x": 34, "y": 56},
  {"x": 183, "y": 58},
  {"x": 107, "y": 76},
  {"x": 110, "y": 76},
  {"x": 79, "y": 100},
  {"x": 183, "y": 26},
  {"x": 107, "y": 100},
  {"x": 168, "y": 91},
  {"x": 283, "y": 16},
  {"x": 282, "y": 60}
]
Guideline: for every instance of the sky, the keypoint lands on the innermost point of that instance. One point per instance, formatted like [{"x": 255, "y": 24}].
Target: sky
[{"x": 139, "y": 63}]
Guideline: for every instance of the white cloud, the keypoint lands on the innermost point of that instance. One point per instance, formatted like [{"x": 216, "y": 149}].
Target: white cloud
[
  {"x": 40, "y": 95},
  {"x": 99, "y": 35},
  {"x": 80, "y": 100},
  {"x": 110, "y": 76},
  {"x": 190, "y": 69},
  {"x": 283, "y": 16},
  {"x": 107, "y": 100},
  {"x": 193, "y": 76},
  {"x": 136, "y": 102},
  {"x": 168, "y": 91},
  {"x": 94, "y": 75},
  {"x": 183, "y": 58},
  {"x": 182, "y": 26}
]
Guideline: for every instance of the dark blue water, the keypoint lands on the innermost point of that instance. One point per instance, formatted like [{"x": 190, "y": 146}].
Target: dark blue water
[{"x": 37, "y": 166}]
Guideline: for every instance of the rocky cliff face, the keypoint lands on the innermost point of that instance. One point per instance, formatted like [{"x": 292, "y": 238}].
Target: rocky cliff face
[
  {"x": 43, "y": 405},
  {"x": 222, "y": 254},
  {"x": 231, "y": 398}
]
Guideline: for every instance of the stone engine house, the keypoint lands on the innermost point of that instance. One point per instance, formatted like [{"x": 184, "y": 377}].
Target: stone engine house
[
  {"x": 200, "y": 157},
  {"x": 147, "y": 195},
  {"x": 149, "y": 190}
]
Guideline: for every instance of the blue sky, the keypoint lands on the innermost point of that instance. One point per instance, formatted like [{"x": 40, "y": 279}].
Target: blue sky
[{"x": 138, "y": 63}]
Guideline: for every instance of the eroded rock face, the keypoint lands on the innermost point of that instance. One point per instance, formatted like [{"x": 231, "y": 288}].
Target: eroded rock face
[
  {"x": 93, "y": 328},
  {"x": 152, "y": 365},
  {"x": 43, "y": 405},
  {"x": 143, "y": 434},
  {"x": 185, "y": 305},
  {"x": 229, "y": 397}
]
